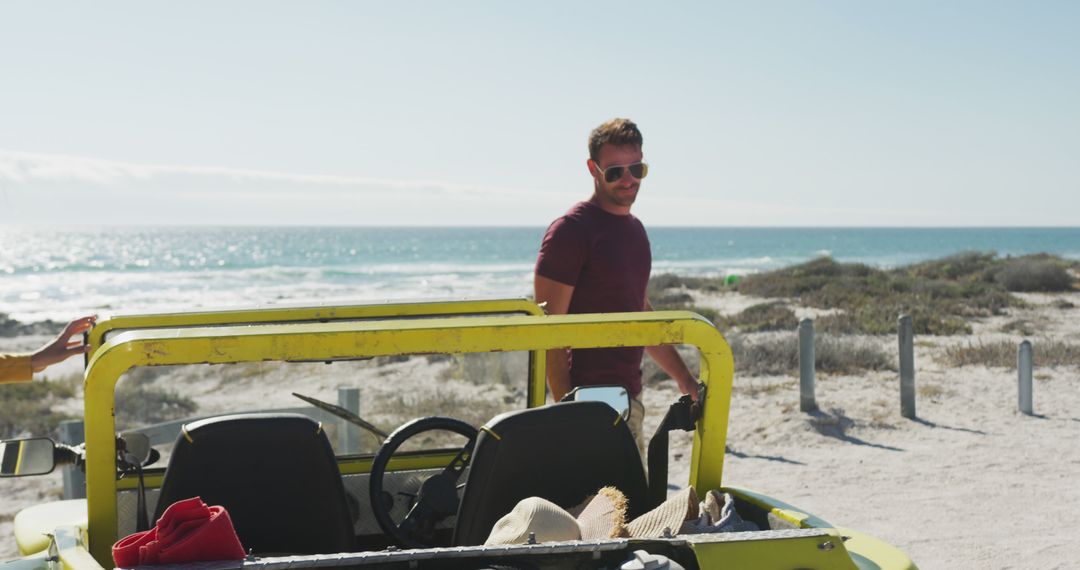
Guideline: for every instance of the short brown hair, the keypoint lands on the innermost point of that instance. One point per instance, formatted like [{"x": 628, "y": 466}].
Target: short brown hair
[{"x": 615, "y": 131}]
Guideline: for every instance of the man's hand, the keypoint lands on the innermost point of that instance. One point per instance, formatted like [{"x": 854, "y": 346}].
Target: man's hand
[{"x": 63, "y": 347}]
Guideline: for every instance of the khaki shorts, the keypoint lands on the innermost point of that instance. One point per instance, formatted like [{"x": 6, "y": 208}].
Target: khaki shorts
[{"x": 637, "y": 423}]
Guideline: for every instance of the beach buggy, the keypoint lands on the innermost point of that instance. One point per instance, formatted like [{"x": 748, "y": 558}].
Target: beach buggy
[{"x": 297, "y": 494}]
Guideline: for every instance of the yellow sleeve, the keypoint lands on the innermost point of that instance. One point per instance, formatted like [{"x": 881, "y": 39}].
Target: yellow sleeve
[{"x": 15, "y": 368}]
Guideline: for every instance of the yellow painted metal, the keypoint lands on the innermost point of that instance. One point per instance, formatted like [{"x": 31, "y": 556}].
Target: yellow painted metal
[
  {"x": 400, "y": 463},
  {"x": 330, "y": 313},
  {"x": 65, "y": 549},
  {"x": 309, "y": 314},
  {"x": 826, "y": 551},
  {"x": 71, "y": 546},
  {"x": 347, "y": 466},
  {"x": 34, "y": 524},
  {"x": 363, "y": 338},
  {"x": 875, "y": 552},
  {"x": 150, "y": 480},
  {"x": 784, "y": 511}
]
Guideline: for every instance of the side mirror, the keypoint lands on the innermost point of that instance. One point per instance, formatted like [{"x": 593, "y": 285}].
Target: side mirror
[
  {"x": 136, "y": 447},
  {"x": 615, "y": 396},
  {"x": 24, "y": 457}
]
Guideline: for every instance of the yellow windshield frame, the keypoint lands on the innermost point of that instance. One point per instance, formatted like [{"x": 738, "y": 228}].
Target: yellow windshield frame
[
  {"x": 329, "y": 313},
  {"x": 309, "y": 314},
  {"x": 371, "y": 338}
]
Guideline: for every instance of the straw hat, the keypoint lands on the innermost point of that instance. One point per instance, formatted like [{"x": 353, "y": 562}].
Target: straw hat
[
  {"x": 600, "y": 516},
  {"x": 669, "y": 516}
]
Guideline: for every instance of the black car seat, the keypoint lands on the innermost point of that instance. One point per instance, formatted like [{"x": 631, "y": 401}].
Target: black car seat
[
  {"x": 562, "y": 452},
  {"x": 275, "y": 474}
]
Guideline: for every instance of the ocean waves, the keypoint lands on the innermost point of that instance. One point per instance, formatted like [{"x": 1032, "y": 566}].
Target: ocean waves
[
  {"x": 57, "y": 273},
  {"x": 59, "y": 295}
]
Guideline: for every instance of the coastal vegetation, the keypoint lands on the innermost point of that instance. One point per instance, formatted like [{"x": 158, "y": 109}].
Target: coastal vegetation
[
  {"x": 944, "y": 297},
  {"x": 771, "y": 316},
  {"x": 35, "y": 407},
  {"x": 28, "y": 408},
  {"x": 1048, "y": 352},
  {"x": 778, "y": 354},
  {"x": 941, "y": 295},
  {"x": 139, "y": 401},
  {"x": 10, "y": 327}
]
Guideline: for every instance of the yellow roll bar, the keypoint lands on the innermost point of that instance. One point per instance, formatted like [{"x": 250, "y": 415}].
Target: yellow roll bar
[
  {"x": 370, "y": 338},
  {"x": 329, "y": 313},
  {"x": 309, "y": 314}
]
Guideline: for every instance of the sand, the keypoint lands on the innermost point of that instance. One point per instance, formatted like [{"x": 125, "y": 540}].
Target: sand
[{"x": 970, "y": 483}]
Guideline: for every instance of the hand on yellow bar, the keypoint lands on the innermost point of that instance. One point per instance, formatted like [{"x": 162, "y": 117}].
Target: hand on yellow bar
[{"x": 63, "y": 346}]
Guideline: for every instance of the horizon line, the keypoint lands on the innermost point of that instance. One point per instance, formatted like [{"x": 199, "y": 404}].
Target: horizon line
[{"x": 272, "y": 225}]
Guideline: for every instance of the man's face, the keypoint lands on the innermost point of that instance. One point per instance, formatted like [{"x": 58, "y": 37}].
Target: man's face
[{"x": 621, "y": 193}]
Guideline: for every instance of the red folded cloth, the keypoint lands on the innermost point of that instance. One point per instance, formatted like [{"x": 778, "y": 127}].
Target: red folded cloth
[{"x": 188, "y": 531}]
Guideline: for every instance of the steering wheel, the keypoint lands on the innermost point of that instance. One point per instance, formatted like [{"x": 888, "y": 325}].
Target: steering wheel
[{"x": 437, "y": 498}]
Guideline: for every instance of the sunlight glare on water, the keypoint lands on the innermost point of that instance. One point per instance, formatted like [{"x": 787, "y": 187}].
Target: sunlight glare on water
[{"x": 55, "y": 273}]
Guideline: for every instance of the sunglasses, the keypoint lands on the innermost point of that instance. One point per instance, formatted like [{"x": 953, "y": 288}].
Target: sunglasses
[{"x": 638, "y": 170}]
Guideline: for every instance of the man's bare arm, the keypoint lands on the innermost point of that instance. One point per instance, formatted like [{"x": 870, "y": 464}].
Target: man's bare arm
[
  {"x": 557, "y": 298},
  {"x": 669, "y": 360}
]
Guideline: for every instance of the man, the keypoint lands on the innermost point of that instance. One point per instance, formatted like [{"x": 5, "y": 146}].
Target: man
[{"x": 597, "y": 259}]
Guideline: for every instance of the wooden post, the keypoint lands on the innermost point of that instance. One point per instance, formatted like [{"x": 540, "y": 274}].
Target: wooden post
[
  {"x": 907, "y": 367},
  {"x": 73, "y": 432},
  {"x": 349, "y": 435},
  {"x": 1025, "y": 363},
  {"x": 807, "y": 402}
]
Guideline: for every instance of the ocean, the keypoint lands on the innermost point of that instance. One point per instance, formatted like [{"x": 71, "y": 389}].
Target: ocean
[{"x": 59, "y": 273}]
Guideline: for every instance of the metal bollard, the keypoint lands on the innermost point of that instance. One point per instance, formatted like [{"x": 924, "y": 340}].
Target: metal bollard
[
  {"x": 807, "y": 402},
  {"x": 1025, "y": 363},
  {"x": 349, "y": 435},
  {"x": 73, "y": 432},
  {"x": 907, "y": 366}
]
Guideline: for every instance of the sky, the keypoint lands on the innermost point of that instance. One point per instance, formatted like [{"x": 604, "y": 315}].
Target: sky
[{"x": 797, "y": 113}]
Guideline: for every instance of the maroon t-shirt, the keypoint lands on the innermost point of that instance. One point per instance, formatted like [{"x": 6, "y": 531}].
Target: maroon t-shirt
[{"x": 607, "y": 259}]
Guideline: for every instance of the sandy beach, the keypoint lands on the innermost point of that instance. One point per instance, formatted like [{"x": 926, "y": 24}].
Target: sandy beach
[{"x": 970, "y": 483}]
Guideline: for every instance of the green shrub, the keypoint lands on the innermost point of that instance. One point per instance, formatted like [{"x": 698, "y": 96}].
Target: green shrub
[
  {"x": 138, "y": 405},
  {"x": 1045, "y": 352},
  {"x": 845, "y": 355},
  {"x": 1022, "y": 327},
  {"x": 799, "y": 279},
  {"x": 780, "y": 355},
  {"x": 940, "y": 295},
  {"x": 474, "y": 407},
  {"x": 9, "y": 327},
  {"x": 669, "y": 300},
  {"x": 966, "y": 266},
  {"x": 1001, "y": 353},
  {"x": 774, "y": 316},
  {"x": 659, "y": 283},
  {"x": 663, "y": 298},
  {"x": 762, "y": 357},
  {"x": 882, "y": 319},
  {"x": 482, "y": 368},
  {"x": 1035, "y": 273},
  {"x": 26, "y": 409}
]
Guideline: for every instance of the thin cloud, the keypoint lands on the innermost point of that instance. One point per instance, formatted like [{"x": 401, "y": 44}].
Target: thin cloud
[{"x": 24, "y": 168}]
